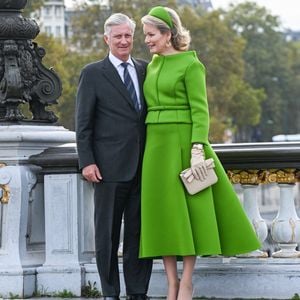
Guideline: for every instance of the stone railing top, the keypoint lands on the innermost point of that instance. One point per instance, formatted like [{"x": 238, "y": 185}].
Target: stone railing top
[
  {"x": 35, "y": 133},
  {"x": 233, "y": 156},
  {"x": 259, "y": 155},
  {"x": 60, "y": 159}
]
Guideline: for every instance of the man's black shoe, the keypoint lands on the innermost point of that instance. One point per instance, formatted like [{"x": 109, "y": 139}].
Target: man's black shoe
[{"x": 137, "y": 297}]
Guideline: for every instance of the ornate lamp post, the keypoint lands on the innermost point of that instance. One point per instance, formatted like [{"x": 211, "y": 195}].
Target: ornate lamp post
[{"x": 23, "y": 78}]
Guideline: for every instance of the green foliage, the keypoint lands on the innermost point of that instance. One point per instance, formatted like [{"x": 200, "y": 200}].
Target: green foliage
[
  {"x": 32, "y": 5},
  {"x": 87, "y": 27},
  {"x": 221, "y": 50},
  {"x": 67, "y": 64},
  {"x": 265, "y": 62},
  {"x": 64, "y": 294},
  {"x": 90, "y": 291},
  {"x": 40, "y": 292},
  {"x": 291, "y": 122},
  {"x": 13, "y": 296},
  {"x": 296, "y": 297}
]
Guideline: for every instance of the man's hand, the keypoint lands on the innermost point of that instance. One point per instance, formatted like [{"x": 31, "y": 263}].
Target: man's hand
[{"x": 92, "y": 173}]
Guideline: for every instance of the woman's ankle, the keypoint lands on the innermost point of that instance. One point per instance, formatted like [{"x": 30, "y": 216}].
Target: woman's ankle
[
  {"x": 173, "y": 288},
  {"x": 185, "y": 291}
]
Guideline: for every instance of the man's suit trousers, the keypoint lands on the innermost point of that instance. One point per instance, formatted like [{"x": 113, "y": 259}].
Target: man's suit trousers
[{"x": 112, "y": 202}]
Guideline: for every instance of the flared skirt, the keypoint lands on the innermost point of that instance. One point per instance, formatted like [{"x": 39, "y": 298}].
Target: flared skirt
[{"x": 176, "y": 223}]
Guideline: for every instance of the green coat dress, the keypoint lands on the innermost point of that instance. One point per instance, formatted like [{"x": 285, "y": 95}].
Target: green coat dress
[{"x": 173, "y": 222}]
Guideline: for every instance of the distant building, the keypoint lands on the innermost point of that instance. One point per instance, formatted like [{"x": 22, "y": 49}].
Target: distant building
[
  {"x": 55, "y": 19},
  {"x": 51, "y": 18},
  {"x": 206, "y": 4},
  {"x": 292, "y": 35}
]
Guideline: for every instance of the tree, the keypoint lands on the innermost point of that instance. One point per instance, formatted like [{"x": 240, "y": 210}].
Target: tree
[
  {"x": 291, "y": 121},
  {"x": 68, "y": 69},
  {"x": 87, "y": 23},
  {"x": 265, "y": 57},
  {"x": 87, "y": 27},
  {"x": 221, "y": 51},
  {"x": 224, "y": 41},
  {"x": 218, "y": 47},
  {"x": 32, "y": 6}
]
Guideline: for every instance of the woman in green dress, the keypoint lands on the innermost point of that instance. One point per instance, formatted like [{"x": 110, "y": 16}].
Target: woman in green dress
[{"x": 175, "y": 223}]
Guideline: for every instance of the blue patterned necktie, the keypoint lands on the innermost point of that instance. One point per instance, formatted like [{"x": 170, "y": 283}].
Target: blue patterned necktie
[{"x": 130, "y": 87}]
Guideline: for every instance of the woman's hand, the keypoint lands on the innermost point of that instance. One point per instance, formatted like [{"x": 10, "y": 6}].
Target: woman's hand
[{"x": 198, "y": 166}]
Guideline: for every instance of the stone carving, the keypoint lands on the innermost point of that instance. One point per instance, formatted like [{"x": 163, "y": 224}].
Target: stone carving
[
  {"x": 12, "y": 27},
  {"x": 23, "y": 78},
  {"x": 31, "y": 180},
  {"x": 13, "y": 4}
]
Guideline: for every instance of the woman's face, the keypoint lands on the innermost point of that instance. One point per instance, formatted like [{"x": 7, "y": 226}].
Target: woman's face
[{"x": 156, "y": 41}]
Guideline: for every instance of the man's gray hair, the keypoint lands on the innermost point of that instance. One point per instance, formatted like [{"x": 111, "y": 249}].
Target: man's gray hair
[{"x": 118, "y": 19}]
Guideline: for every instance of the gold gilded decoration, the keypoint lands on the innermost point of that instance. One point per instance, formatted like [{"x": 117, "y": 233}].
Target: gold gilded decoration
[
  {"x": 5, "y": 189},
  {"x": 5, "y": 193},
  {"x": 298, "y": 175},
  {"x": 282, "y": 176},
  {"x": 246, "y": 176},
  {"x": 287, "y": 176}
]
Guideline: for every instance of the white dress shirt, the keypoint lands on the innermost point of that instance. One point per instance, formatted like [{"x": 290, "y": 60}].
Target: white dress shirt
[{"x": 131, "y": 69}]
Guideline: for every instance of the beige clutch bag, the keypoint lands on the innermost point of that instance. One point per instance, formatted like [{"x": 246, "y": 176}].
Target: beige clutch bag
[{"x": 195, "y": 185}]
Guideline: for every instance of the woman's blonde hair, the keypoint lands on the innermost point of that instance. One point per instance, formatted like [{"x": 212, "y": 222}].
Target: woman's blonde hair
[{"x": 180, "y": 37}]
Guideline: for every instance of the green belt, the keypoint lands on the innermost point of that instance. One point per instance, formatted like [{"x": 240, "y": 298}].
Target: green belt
[{"x": 168, "y": 107}]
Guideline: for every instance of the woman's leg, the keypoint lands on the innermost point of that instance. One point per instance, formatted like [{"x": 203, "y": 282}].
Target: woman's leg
[
  {"x": 186, "y": 286},
  {"x": 170, "y": 263}
]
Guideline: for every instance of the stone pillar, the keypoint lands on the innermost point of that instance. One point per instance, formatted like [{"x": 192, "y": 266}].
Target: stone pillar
[
  {"x": 69, "y": 233},
  {"x": 22, "y": 225},
  {"x": 18, "y": 256}
]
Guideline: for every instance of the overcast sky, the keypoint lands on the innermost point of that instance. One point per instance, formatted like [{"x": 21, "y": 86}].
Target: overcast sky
[{"x": 287, "y": 10}]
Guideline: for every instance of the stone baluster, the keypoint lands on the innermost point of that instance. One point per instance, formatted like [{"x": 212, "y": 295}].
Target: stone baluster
[
  {"x": 252, "y": 211},
  {"x": 285, "y": 228},
  {"x": 69, "y": 233},
  {"x": 250, "y": 181}
]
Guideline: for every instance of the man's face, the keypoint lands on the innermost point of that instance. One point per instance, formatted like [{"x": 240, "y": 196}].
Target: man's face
[{"x": 120, "y": 41}]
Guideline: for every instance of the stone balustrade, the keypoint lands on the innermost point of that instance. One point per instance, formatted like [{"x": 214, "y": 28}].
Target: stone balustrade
[{"x": 57, "y": 242}]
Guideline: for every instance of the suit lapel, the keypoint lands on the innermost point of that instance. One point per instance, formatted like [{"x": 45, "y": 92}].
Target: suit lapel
[{"x": 113, "y": 77}]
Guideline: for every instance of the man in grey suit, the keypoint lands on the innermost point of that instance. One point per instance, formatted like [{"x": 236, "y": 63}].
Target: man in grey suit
[{"x": 110, "y": 135}]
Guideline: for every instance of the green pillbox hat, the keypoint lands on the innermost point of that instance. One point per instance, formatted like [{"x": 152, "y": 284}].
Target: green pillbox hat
[{"x": 162, "y": 14}]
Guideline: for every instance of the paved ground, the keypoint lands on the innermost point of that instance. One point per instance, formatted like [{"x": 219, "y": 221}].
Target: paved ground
[{"x": 55, "y": 298}]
